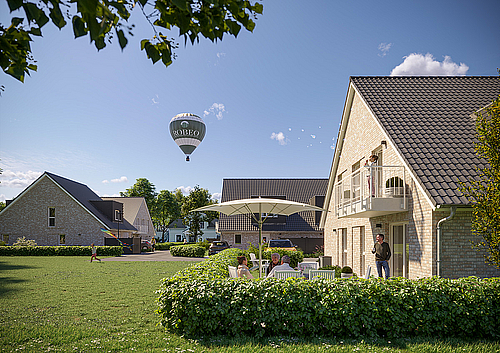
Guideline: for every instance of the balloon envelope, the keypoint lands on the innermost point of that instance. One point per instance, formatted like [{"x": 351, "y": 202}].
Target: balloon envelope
[{"x": 187, "y": 130}]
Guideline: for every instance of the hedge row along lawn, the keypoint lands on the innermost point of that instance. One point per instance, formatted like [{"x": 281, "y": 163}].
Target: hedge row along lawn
[
  {"x": 187, "y": 250},
  {"x": 67, "y": 304},
  {"x": 59, "y": 250},
  {"x": 201, "y": 301}
]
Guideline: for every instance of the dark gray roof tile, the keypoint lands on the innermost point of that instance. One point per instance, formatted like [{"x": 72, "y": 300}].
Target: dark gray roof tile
[{"x": 431, "y": 117}]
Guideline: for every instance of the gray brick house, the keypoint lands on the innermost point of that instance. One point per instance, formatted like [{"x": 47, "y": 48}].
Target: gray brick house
[
  {"x": 422, "y": 130},
  {"x": 57, "y": 211},
  {"x": 301, "y": 228}
]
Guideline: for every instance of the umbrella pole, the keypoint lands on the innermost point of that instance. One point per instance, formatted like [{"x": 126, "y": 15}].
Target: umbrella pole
[{"x": 260, "y": 241}]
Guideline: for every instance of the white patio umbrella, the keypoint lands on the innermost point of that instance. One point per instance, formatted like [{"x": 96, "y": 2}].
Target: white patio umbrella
[{"x": 259, "y": 206}]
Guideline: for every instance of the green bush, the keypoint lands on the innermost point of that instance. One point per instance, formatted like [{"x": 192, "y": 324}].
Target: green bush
[
  {"x": 346, "y": 269},
  {"x": 166, "y": 246},
  {"x": 295, "y": 256},
  {"x": 2, "y": 243},
  {"x": 190, "y": 250},
  {"x": 205, "y": 243},
  {"x": 194, "y": 304},
  {"x": 59, "y": 250}
]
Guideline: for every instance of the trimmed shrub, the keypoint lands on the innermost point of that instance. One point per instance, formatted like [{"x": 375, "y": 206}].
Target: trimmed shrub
[
  {"x": 59, "y": 251},
  {"x": 346, "y": 269},
  {"x": 193, "y": 304},
  {"x": 295, "y": 256},
  {"x": 166, "y": 246},
  {"x": 191, "y": 250},
  {"x": 335, "y": 267}
]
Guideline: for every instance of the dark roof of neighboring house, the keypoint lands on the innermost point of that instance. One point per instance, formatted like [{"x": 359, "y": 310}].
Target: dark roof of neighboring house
[
  {"x": 83, "y": 194},
  {"x": 429, "y": 120},
  {"x": 299, "y": 190}
]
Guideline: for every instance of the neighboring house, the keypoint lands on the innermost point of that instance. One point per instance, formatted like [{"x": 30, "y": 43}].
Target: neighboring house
[
  {"x": 57, "y": 211},
  {"x": 422, "y": 129},
  {"x": 177, "y": 231},
  {"x": 301, "y": 228},
  {"x": 135, "y": 211}
]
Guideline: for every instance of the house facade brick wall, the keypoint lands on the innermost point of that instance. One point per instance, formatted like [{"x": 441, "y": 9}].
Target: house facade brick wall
[
  {"x": 349, "y": 240},
  {"x": 253, "y": 237},
  {"x": 28, "y": 216}
]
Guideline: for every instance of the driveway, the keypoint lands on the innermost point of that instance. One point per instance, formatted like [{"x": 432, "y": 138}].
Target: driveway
[{"x": 159, "y": 255}]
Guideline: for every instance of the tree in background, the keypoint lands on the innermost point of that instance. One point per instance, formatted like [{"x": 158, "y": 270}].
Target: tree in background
[
  {"x": 2, "y": 205},
  {"x": 484, "y": 193},
  {"x": 198, "y": 197},
  {"x": 142, "y": 188},
  {"x": 103, "y": 20},
  {"x": 166, "y": 209}
]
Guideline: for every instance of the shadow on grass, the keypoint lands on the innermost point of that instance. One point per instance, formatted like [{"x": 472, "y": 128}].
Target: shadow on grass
[
  {"x": 451, "y": 344},
  {"x": 7, "y": 283}
]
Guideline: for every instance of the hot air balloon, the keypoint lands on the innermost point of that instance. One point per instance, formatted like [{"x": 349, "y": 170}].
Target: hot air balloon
[{"x": 187, "y": 130}]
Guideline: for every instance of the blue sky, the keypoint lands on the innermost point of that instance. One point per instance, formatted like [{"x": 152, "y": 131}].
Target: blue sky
[{"x": 272, "y": 99}]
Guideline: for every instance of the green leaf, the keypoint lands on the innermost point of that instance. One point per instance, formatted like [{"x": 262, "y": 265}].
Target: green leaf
[
  {"x": 121, "y": 39},
  {"x": 57, "y": 17},
  {"x": 14, "y": 4},
  {"x": 35, "y": 14},
  {"x": 36, "y": 31},
  {"x": 79, "y": 27},
  {"x": 16, "y": 21}
]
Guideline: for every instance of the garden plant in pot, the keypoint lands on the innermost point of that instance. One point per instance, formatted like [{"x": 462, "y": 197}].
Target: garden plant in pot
[
  {"x": 394, "y": 186},
  {"x": 346, "y": 272}
]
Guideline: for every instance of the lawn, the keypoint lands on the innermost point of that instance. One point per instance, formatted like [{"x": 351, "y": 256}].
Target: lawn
[{"x": 67, "y": 304}]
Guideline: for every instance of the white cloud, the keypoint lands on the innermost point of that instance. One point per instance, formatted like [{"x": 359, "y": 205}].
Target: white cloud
[
  {"x": 280, "y": 137},
  {"x": 217, "y": 196},
  {"x": 384, "y": 48},
  {"x": 423, "y": 65},
  {"x": 185, "y": 189},
  {"x": 220, "y": 55},
  {"x": 2, "y": 198},
  {"x": 155, "y": 101},
  {"x": 106, "y": 195},
  {"x": 20, "y": 180},
  {"x": 123, "y": 179},
  {"x": 217, "y": 109}
]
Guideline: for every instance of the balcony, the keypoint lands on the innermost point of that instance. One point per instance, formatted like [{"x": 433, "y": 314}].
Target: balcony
[{"x": 371, "y": 192}]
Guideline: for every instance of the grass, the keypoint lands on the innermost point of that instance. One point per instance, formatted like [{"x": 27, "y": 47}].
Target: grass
[{"x": 67, "y": 304}]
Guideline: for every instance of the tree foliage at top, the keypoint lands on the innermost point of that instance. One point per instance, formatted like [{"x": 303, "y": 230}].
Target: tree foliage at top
[
  {"x": 198, "y": 197},
  {"x": 142, "y": 188},
  {"x": 102, "y": 20},
  {"x": 484, "y": 192}
]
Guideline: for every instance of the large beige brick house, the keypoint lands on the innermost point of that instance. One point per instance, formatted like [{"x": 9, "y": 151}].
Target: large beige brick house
[
  {"x": 422, "y": 130},
  {"x": 57, "y": 211},
  {"x": 301, "y": 228}
]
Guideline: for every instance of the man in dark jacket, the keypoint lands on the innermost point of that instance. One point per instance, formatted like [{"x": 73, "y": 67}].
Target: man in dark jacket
[{"x": 382, "y": 253}]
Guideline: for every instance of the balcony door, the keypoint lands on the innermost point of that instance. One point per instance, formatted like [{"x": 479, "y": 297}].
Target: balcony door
[{"x": 400, "y": 250}]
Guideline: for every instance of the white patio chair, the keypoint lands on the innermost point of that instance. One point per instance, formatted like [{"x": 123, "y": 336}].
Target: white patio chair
[
  {"x": 368, "y": 272},
  {"x": 328, "y": 274},
  {"x": 286, "y": 274},
  {"x": 305, "y": 267},
  {"x": 255, "y": 263},
  {"x": 233, "y": 273}
]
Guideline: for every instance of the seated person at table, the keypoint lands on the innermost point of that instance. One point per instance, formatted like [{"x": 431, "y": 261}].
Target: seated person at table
[
  {"x": 275, "y": 261},
  {"x": 243, "y": 270},
  {"x": 285, "y": 266}
]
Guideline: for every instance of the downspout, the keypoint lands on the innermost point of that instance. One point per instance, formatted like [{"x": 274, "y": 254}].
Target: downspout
[{"x": 438, "y": 241}]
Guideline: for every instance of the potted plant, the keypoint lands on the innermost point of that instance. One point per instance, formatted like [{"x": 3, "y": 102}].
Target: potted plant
[
  {"x": 346, "y": 272},
  {"x": 394, "y": 186}
]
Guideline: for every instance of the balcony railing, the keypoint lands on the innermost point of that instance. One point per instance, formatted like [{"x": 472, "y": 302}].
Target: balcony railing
[{"x": 371, "y": 191}]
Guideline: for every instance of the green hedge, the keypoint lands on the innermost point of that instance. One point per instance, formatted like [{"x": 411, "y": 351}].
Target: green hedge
[
  {"x": 59, "y": 250},
  {"x": 295, "y": 256},
  {"x": 190, "y": 250},
  {"x": 468, "y": 307},
  {"x": 166, "y": 246}
]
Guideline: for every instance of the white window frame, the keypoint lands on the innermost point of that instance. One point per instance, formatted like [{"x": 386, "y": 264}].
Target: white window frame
[{"x": 49, "y": 217}]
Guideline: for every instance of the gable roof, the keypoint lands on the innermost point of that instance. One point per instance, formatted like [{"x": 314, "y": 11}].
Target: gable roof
[
  {"x": 131, "y": 206},
  {"x": 299, "y": 190},
  {"x": 428, "y": 120},
  {"x": 80, "y": 193}
]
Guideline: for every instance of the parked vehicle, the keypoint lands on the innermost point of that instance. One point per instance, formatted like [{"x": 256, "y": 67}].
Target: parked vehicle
[
  {"x": 284, "y": 244},
  {"x": 146, "y": 245},
  {"x": 218, "y": 246}
]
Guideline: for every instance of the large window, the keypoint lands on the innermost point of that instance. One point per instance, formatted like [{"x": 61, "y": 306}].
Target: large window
[
  {"x": 237, "y": 238},
  {"x": 62, "y": 239},
  {"x": 343, "y": 233},
  {"x": 6, "y": 239},
  {"x": 52, "y": 216}
]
